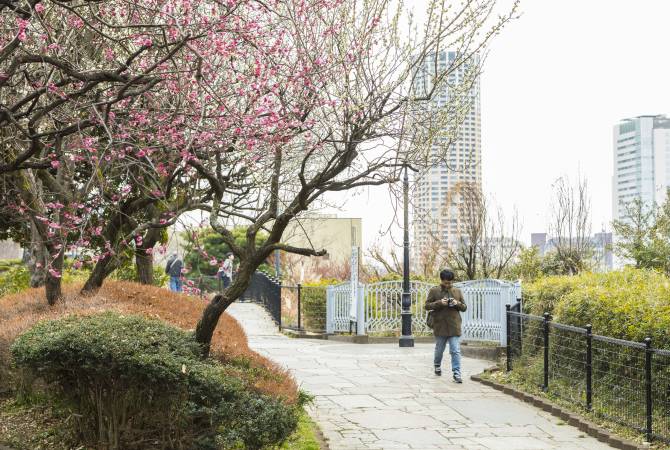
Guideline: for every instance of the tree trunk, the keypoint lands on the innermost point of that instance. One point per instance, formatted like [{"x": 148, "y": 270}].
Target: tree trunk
[
  {"x": 103, "y": 268},
  {"x": 144, "y": 262},
  {"x": 145, "y": 266},
  {"x": 210, "y": 316},
  {"x": 37, "y": 259},
  {"x": 53, "y": 283}
]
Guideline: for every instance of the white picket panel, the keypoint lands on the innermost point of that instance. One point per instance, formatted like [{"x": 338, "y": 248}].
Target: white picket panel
[{"x": 484, "y": 319}]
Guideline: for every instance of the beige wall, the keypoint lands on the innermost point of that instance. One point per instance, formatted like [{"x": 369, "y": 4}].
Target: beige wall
[
  {"x": 336, "y": 235},
  {"x": 10, "y": 250}
]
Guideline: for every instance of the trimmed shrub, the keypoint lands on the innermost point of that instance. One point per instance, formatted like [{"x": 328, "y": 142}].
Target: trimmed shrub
[
  {"x": 542, "y": 295},
  {"x": 139, "y": 383},
  {"x": 313, "y": 299},
  {"x": 630, "y": 304}
]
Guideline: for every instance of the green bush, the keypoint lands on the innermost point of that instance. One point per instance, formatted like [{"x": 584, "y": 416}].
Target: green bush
[
  {"x": 628, "y": 304},
  {"x": 313, "y": 303},
  {"x": 138, "y": 383},
  {"x": 631, "y": 304},
  {"x": 128, "y": 272},
  {"x": 14, "y": 277},
  {"x": 542, "y": 295}
]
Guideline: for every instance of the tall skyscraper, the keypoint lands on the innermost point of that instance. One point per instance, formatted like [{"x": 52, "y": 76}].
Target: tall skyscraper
[
  {"x": 436, "y": 212},
  {"x": 641, "y": 162}
]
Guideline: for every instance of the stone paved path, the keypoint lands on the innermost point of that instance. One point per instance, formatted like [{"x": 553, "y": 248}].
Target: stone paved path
[{"x": 379, "y": 396}]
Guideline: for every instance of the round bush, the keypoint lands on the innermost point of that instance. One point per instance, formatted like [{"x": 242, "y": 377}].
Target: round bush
[{"x": 139, "y": 383}]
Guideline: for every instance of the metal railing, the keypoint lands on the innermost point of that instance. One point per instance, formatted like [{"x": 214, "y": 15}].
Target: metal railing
[
  {"x": 198, "y": 284},
  {"x": 624, "y": 381},
  {"x": 266, "y": 291},
  {"x": 303, "y": 308},
  {"x": 484, "y": 320}
]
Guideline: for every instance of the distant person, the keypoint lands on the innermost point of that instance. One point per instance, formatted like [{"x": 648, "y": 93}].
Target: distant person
[
  {"x": 173, "y": 269},
  {"x": 227, "y": 270},
  {"x": 446, "y": 305}
]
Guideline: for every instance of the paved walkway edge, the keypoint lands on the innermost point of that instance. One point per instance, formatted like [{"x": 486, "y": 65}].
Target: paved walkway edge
[{"x": 566, "y": 415}]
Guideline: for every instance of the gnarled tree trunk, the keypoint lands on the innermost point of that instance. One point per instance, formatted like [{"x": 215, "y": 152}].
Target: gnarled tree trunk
[
  {"x": 144, "y": 259},
  {"x": 103, "y": 268},
  {"x": 54, "y": 277},
  {"x": 145, "y": 267},
  {"x": 212, "y": 313},
  {"x": 36, "y": 259}
]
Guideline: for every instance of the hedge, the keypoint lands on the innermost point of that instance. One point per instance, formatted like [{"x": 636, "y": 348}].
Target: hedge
[
  {"x": 629, "y": 304},
  {"x": 138, "y": 383}
]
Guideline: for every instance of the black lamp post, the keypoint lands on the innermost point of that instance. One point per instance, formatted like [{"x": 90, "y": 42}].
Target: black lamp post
[{"x": 406, "y": 339}]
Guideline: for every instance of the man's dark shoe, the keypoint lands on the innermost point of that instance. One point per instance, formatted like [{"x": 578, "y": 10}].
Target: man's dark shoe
[
  {"x": 457, "y": 378},
  {"x": 438, "y": 371}
]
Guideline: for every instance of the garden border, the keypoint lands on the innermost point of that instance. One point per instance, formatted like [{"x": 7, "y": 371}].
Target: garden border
[{"x": 570, "y": 417}]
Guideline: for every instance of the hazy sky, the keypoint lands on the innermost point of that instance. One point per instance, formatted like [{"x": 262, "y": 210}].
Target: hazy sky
[{"x": 554, "y": 84}]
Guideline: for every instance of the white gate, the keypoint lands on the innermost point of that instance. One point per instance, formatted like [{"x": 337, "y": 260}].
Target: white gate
[
  {"x": 339, "y": 317},
  {"x": 484, "y": 319}
]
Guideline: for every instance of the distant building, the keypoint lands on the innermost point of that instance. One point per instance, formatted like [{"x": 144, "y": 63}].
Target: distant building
[
  {"x": 10, "y": 250},
  {"x": 436, "y": 214},
  {"x": 336, "y": 235},
  {"x": 600, "y": 242},
  {"x": 641, "y": 162}
]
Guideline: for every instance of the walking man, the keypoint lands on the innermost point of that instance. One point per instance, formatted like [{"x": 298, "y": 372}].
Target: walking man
[
  {"x": 173, "y": 269},
  {"x": 227, "y": 270},
  {"x": 445, "y": 303}
]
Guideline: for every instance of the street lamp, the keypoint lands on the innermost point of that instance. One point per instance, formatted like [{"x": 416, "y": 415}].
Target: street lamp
[{"x": 406, "y": 339}]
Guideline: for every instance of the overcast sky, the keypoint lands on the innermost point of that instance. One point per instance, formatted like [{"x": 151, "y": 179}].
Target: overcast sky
[{"x": 554, "y": 84}]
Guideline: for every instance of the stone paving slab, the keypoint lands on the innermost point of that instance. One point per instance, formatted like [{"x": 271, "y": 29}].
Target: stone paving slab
[{"x": 380, "y": 396}]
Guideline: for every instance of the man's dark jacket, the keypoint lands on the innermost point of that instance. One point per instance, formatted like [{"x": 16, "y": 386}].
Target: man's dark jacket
[{"x": 447, "y": 321}]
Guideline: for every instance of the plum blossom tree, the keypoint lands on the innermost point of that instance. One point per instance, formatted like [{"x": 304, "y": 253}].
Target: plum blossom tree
[
  {"x": 79, "y": 81},
  {"x": 333, "y": 97}
]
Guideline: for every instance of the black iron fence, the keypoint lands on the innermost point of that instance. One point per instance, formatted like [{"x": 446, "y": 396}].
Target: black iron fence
[
  {"x": 199, "y": 284},
  {"x": 304, "y": 308},
  {"x": 624, "y": 381},
  {"x": 266, "y": 291},
  {"x": 295, "y": 307}
]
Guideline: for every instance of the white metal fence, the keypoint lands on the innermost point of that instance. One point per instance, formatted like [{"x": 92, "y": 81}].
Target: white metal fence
[{"x": 378, "y": 308}]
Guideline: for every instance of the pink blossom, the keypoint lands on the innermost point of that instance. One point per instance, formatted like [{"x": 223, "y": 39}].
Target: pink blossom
[
  {"x": 54, "y": 273},
  {"x": 39, "y": 8}
]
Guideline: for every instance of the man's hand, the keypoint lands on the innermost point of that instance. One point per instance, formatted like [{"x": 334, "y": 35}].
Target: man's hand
[{"x": 444, "y": 302}]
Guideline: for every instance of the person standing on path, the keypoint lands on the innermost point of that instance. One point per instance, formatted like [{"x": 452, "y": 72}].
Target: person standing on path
[
  {"x": 173, "y": 269},
  {"x": 227, "y": 270},
  {"x": 445, "y": 303}
]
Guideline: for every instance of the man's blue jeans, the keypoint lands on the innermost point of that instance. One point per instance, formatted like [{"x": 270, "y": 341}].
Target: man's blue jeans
[
  {"x": 175, "y": 284},
  {"x": 454, "y": 351}
]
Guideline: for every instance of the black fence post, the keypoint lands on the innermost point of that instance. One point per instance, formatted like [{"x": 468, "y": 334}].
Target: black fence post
[
  {"x": 589, "y": 366},
  {"x": 279, "y": 303},
  {"x": 647, "y": 384},
  {"x": 545, "y": 329},
  {"x": 509, "y": 336},
  {"x": 299, "y": 290},
  {"x": 519, "y": 325}
]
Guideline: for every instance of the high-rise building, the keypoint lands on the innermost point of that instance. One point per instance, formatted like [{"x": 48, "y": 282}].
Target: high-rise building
[
  {"x": 602, "y": 257},
  {"x": 436, "y": 216},
  {"x": 641, "y": 162}
]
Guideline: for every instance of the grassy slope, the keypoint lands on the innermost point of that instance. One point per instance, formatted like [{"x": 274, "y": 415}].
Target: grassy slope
[{"x": 36, "y": 427}]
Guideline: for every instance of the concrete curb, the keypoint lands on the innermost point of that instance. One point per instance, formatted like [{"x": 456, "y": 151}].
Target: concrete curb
[{"x": 567, "y": 416}]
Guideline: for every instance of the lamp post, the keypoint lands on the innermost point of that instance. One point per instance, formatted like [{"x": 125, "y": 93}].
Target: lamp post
[{"x": 406, "y": 339}]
